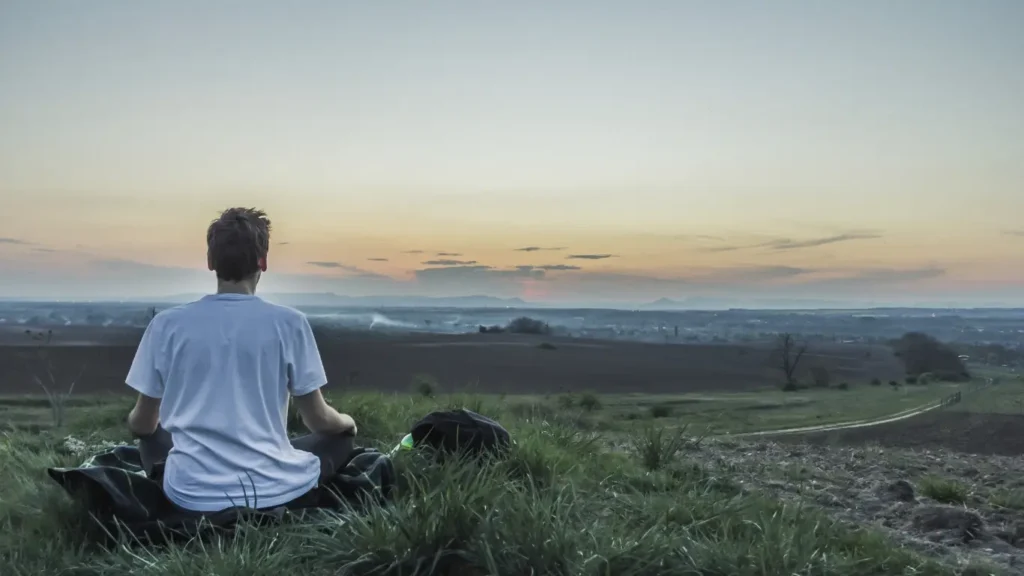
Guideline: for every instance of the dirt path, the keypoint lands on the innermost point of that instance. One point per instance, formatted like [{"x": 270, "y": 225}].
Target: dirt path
[
  {"x": 910, "y": 413},
  {"x": 863, "y": 423}
]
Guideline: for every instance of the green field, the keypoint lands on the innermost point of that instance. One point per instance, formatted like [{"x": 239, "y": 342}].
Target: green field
[
  {"x": 1004, "y": 396},
  {"x": 717, "y": 414},
  {"x": 701, "y": 413},
  {"x": 564, "y": 502}
]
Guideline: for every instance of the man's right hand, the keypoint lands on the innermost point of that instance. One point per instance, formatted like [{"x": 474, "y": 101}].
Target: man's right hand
[
  {"x": 348, "y": 425},
  {"x": 320, "y": 417}
]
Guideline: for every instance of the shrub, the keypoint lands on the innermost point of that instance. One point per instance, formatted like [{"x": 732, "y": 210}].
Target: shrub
[
  {"x": 661, "y": 411},
  {"x": 950, "y": 376},
  {"x": 894, "y": 384},
  {"x": 547, "y": 346},
  {"x": 843, "y": 386},
  {"x": 425, "y": 385},
  {"x": 876, "y": 382},
  {"x": 943, "y": 490},
  {"x": 910, "y": 379},
  {"x": 527, "y": 325},
  {"x": 1013, "y": 499},
  {"x": 657, "y": 446},
  {"x": 566, "y": 401},
  {"x": 590, "y": 402}
]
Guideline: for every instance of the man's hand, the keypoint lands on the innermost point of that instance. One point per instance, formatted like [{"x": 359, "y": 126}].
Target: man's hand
[
  {"x": 145, "y": 416},
  {"x": 320, "y": 417},
  {"x": 348, "y": 423}
]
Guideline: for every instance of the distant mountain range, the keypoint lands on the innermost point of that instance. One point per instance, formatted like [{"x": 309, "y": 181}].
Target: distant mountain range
[
  {"x": 700, "y": 303},
  {"x": 341, "y": 301}
]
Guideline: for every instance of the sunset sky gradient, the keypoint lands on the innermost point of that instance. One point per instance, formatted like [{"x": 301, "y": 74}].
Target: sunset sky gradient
[{"x": 838, "y": 150}]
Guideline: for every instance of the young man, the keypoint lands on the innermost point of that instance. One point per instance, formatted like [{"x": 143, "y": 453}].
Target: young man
[{"x": 214, "y": 378}]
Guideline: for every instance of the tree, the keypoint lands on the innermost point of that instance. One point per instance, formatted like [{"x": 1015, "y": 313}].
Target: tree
[
  {"x": 789, "y": 353},
  {"x": 922, "y": 353}
]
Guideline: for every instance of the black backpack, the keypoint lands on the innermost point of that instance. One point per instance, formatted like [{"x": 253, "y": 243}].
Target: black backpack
[{"x": 461, "y": 431}]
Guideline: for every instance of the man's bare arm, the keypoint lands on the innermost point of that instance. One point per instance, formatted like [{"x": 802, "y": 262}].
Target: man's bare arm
[
  {"x": 145, "y": 416},
  {"x": 320, "y": 417}
]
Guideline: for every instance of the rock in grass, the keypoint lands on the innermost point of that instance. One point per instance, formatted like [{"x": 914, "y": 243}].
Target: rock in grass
[{"x": 898, "y": 491}]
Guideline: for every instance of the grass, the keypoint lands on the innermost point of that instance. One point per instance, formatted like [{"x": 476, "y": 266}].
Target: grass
[
  {"x": 1006, "y": 396},
  {"x": 1007, "y": 498},
  {"x": 944, "y": 490},
  {"x": 751, "y": 411},
  {"x": 564, "y": 503}
]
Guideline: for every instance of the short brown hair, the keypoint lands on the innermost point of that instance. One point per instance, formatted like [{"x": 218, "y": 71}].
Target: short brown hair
[{"x": 236, "y": 241}]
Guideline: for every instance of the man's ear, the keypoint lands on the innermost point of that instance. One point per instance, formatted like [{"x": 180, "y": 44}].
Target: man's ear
[
  {"x": 262, "y": 263},
  {"x": 209, "y": 262}
]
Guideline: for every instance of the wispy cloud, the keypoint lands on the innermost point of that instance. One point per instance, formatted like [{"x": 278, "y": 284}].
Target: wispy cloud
[
  {"x": 377, "y": 259},
  {"x": 791, "y": 244},
  {"x": 344, "y": 267},
  {"x": 451, "y": 254},
  {"x": 894, "y": 275},
  {"x": 1019, "y": 232},
  {"x": 43, "y": 250},
  {"x": 283, "y": 243},
  {"x": 548, "y": 267},
  {"x": 787, "y": 244},
  {"x": 13, "y": 241},
  {"x": 741, "y": 275},
  {"x": 703, "y": 237},
  {"x": 540, "y": 249},
  {"x": 590, "y": 256},
  {"x": 558, "y": 267},
  {"x": 446, "y": 262},
  {"x": 466, "y": 274},
  {"x": 412, "y": 252}
]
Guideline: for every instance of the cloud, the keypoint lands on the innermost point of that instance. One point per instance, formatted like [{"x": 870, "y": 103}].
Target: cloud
[
  {"x": 377, "y": 259},
  {"x": 540, "y": 249},
  {"x": 326, "y": 264},
  {"x": 790, "y": 244},
  {"x": 344, "y": 267},
  {"x": 453, "y": 254},
  {"x": 894, "y": 275},
  {"x": 1019, "y": 232},
  {"x": 449, "y": 262},
  {"x": 590, "y": 256},
  {"x": 283, "y": 243},
  {"x": 43, "y": 250},
  {"x": 558, "y": 267},
  {"x": 787, "y": 244},
  {"x": 13, "y": 241},
  {"x": 549, "y": 267},
  {"x": 412, "y": 252},
  {"x": 745, "y": 274},
  {"x": 463, "y": 275},
  {"x": 705, "y": 237}
]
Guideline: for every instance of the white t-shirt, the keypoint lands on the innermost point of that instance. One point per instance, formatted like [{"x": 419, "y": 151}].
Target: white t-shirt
[{"x": 224, "y": 367}]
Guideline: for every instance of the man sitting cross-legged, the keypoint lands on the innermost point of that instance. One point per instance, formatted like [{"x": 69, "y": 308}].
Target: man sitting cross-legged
[{"x": 214, "y": 379}]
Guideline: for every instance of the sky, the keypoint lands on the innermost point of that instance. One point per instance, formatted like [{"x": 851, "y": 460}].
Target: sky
[{"x": 560, "y": 152}]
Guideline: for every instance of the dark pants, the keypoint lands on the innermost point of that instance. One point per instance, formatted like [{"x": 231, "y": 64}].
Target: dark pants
[{"x": 333, "y": 450}]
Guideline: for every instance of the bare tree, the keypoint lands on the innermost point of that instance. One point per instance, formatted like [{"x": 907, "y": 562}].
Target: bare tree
[
  {"x": 790, "y": 353},
  {"x": 57, "y": 398}
]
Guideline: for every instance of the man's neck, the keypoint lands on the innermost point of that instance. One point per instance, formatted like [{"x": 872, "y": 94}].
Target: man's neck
[{"x": 244, "y": 287}]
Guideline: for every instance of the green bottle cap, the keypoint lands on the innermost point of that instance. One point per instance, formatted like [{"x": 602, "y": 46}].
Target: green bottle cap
[{"x": 406, "y": 443}]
